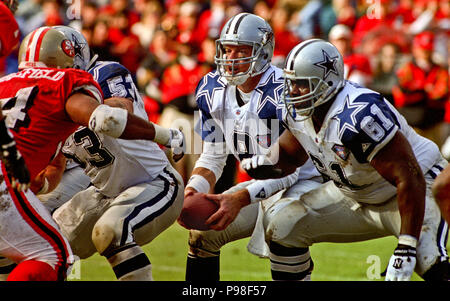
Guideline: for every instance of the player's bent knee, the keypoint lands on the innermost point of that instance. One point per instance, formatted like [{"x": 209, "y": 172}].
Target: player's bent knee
[
  {"x": 279, "y": 221},
  {"x": 103, "y": 237},
  {"x": 201, "y": 245}
]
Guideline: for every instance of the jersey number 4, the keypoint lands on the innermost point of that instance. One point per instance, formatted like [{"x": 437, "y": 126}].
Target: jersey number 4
[{"x": 15, "y": 108}]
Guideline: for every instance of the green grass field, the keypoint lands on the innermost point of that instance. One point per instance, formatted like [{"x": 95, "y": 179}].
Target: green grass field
[{"x": 332, "y": 262}]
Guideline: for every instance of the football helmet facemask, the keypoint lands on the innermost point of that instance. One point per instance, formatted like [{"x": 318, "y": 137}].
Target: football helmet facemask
[
  {"x": 46, "y": 47},
  {"x": 245, "y": 29},
  {"x": 82, "y": 52},
  {"x": 317, "y": 67}
]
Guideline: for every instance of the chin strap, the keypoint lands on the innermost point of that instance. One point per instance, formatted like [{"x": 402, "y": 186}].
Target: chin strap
[{"x": 92, "y": 61}]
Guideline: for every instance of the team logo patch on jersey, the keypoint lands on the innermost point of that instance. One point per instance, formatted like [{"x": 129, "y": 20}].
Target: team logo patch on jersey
[
  {"x": 264, "y": 140},
  {"x": 341, "y": 151},
  {"x": 67, "y": 47}
]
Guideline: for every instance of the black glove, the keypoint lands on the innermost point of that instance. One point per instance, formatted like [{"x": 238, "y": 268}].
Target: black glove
[{"x": 13, "y": 160}]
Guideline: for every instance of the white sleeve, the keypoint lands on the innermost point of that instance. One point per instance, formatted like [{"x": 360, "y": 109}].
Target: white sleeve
[
  {"x": 263, "y": 189},
  {"x": 213, "y": 157}
]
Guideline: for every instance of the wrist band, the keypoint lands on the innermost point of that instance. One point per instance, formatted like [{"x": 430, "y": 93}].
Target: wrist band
[
  {"x": 408, "y": 240},
  {"x": 162, "y": 135},
  {"x": 44, "y": 188},
  {"x": 199, "y": 183},
  {"x": 257, "y": 191}
]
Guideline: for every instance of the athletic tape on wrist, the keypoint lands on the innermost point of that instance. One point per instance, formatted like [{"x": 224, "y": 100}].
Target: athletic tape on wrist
[
  {"x": 199, "y": 183},
  {"x": 162, "y": 135},
  {"x": 407, "y": 240},
  {"x": 257, "y": 191}
]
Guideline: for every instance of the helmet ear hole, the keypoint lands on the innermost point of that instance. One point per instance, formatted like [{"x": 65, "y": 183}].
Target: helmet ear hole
[{"x": 330, "y": 83}]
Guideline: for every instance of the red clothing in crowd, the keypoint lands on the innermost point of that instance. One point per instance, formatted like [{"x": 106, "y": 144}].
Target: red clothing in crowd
[
  {"x": 9, "y": 33},
  {"x": 357, "y": 62},
  {"x": 178, "y": 81},
  {"x": 285, "y": 41},
  {"x": 416, "y": 85}
]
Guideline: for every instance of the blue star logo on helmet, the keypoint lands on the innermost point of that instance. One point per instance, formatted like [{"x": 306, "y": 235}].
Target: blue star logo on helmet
[
  {"x": 328, "y": 64},
  {"x": 268, "y": 35},
  {"x": 78, "y": 45}
]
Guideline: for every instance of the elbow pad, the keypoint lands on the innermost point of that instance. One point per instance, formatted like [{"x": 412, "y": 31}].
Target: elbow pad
[{"x": 108, "y": 120}]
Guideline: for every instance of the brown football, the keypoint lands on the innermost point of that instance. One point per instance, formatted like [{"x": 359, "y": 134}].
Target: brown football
[{"x": 196, "y": 210}]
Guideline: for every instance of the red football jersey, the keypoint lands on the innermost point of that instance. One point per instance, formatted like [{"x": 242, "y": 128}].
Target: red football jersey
[
  {"x": 9, "y": 33},
  {"x": 34, "y": 102}
]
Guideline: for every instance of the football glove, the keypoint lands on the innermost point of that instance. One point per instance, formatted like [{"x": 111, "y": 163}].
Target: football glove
[
  {"x": 13, "y": 160},
  {"x": 260, "y": 167},
  {"x": 402, "y": 263},
  {"x": 177, "y": 144}
]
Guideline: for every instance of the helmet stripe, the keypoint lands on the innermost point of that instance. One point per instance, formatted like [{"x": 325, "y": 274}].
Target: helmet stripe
[
  {"x": 291, "y": 58},
  {"x": 239, "y": 23},
  {"x": 34, "y": 45},
  {"x": 234, "y": 24},
  {"x": 27, "y": 55}
]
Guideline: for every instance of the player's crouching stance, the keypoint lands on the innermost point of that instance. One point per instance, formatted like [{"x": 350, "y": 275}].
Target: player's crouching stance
[
  {"x": 238, "y": 105},
  {"x": 45, "y": 105},
  {"x": 360, "y": 142},
  {"x": 135, "y": 194}
]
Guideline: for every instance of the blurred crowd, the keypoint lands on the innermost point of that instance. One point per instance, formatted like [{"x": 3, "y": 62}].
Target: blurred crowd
[{"x": 397, "y": 47}]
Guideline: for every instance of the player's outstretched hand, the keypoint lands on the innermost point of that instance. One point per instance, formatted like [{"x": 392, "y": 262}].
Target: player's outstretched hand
[{"x": 402, "y": 263}]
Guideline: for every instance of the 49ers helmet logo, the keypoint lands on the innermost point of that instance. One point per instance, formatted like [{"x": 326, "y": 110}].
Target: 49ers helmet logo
[{"x": 67, "y": 47}]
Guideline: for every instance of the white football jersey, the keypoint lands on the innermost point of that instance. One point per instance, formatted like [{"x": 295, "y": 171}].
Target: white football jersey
[
  {"x": 115, "y": 164},
  {"x": 248, "y": 129},
  {"x": 358, "y": 124}
]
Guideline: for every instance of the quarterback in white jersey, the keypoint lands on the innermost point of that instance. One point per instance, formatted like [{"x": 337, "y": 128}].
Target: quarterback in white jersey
[
  {"x": 135, "y": 194},
  {"x": 381, "y": 170},
  {"x": 237, "y": 106}
]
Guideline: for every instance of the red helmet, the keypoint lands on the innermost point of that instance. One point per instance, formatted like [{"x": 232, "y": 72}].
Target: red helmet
[{"x": 424, "y": 40}]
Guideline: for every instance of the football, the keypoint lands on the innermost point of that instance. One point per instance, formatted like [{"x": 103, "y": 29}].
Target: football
[{"x": 196, "y": 210}]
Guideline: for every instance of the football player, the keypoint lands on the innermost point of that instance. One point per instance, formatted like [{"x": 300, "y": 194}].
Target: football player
[
  {"x": 44, "y": 103},
  {"x": 11, "y": 157},
  {"x": 381, "y": 170},
  {"x": 135, "y": 194},
  {"x": 237, "y": 104}
]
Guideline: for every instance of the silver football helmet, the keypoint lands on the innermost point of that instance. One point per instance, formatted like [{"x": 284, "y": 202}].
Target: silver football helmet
[
  {"x": 245, "y": 29},
  {"x": 82, "y": 51},
  {"x": 316, "y": 66},
  {"x": 46, "y": 47}
]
